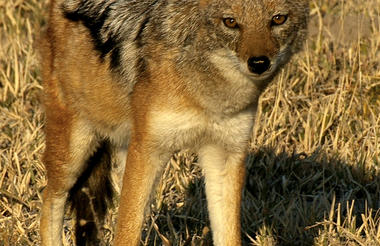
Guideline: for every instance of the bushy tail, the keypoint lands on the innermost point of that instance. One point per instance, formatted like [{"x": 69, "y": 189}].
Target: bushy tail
[{"x": 92, "y": 195}]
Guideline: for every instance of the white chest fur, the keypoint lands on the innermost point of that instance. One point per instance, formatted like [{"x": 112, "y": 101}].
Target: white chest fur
[{"x": 191, "y": 130}]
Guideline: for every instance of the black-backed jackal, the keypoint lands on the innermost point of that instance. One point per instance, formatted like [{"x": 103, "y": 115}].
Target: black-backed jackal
[{"x": 137, "y": 80}]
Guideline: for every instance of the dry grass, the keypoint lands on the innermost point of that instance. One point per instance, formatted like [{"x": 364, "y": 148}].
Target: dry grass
[{"x": 314, "y": 172}]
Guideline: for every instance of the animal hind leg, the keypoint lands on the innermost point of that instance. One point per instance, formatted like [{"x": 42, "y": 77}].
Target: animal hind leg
[{"x": 69, "y": 142}]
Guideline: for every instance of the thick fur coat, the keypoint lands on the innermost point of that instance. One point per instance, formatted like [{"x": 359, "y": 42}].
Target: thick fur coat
[{"x": 129, "y": 82}]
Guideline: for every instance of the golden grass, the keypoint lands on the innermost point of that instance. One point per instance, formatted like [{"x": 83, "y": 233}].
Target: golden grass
[{"x": 314, "y": 171}]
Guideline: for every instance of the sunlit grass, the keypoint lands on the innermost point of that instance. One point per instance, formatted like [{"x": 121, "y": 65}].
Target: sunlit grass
[{"x": 314, "y": 171}]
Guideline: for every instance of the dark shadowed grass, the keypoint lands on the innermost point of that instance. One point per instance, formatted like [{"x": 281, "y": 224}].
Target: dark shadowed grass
[{"x": 313, "y": 172}]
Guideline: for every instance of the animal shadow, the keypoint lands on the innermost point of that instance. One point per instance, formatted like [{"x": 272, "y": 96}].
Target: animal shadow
[{"x": 285, "y": 197}]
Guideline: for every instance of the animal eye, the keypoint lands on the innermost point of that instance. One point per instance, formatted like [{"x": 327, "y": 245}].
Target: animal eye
[
  {"x": 279, "y": 20},
  {"x": 230, "y": 23}
]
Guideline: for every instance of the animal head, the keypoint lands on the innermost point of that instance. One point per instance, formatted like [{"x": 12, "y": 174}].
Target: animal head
[{"x": 255, "y": 37}]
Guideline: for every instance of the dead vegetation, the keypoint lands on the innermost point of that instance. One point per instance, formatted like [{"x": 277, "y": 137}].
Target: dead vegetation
[{"x": 314, "y": 170}]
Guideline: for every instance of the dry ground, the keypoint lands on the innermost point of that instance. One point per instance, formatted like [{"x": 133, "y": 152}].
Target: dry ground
[{"x": 314, "y": 170}]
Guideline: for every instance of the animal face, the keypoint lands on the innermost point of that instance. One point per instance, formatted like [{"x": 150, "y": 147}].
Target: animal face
[{"x": 257, "y": 37}]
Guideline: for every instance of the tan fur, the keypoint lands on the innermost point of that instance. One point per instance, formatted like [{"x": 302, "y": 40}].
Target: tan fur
[{"x": 190, "y": 88}]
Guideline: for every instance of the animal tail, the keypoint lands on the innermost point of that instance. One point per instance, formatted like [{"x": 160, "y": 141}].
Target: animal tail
[{"x": 92, "y": 195}]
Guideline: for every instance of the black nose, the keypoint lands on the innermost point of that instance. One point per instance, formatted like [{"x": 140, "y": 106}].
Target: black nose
[{"x": 258, "y": 65}]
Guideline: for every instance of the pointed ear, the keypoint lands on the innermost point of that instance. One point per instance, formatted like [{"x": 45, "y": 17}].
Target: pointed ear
[
  {"x": 71, "y": 5},
  {"x": 204, "y": 3}
]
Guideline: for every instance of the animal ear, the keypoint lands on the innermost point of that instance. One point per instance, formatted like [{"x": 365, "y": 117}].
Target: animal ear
[
  {"x": 71, "y": 5},
  {"x": 204, "y": 3}
]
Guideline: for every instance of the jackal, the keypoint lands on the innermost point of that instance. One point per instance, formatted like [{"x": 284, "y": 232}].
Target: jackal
[{"x": 137, "y": 80}]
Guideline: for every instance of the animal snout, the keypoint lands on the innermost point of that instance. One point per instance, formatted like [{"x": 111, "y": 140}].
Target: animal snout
[{"x": 258, "y": 65}]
